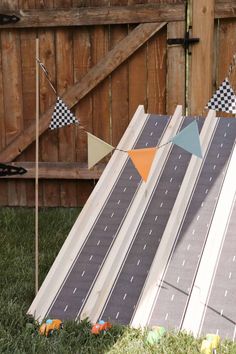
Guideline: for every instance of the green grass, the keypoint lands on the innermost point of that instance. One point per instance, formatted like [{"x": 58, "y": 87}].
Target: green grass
[{"x": 18, "y": 333}]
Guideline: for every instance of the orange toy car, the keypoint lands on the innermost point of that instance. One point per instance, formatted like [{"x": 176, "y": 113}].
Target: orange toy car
[
  {"x": 50, "y": 326},
  {"x": 100, "y": 326}
]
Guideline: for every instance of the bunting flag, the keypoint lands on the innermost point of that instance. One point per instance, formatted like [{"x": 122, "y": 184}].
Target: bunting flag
[
  {"x": 188, "y": 139},
  {"x": 97, "y": 149},
  {"x": 61, "y": 115},
  {"x": 142, "y": 160},
  {"x": 224, "y": 99}
]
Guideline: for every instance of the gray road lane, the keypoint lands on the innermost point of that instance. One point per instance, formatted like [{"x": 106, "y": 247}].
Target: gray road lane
[
  {"x": 172, "y": 300},
  {"x": 220, "y": 316},
  {"x": 124, "y": 296},
  {"x": 69, "y": 301}
]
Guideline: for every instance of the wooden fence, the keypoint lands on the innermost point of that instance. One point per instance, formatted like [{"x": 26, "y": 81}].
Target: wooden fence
[{"x": 105, "y": 58}]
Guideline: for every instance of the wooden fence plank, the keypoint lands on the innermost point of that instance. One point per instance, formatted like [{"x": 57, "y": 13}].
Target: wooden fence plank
[
  {"x": 49, "y": 140},
  {"x": 12, "y": 83},
  {"x": 156, "y": 73},
  {"x": 66, "y": 147},
  {"x": 58, "y": 170},
  {"x": 2, "y": 111},
  {"x": 137, "y": 81},
  {"x": 119, "y": 85},
  {"x": 102, "y": 15},
  {"x": 84, "y": 110},
  {"x": 113, "y": 59},
  {"x": 101, "y": 113},
  {"x": 27, "y": 50},
  {"x": 82, "y": 64},
  {"x": 99, "y": 36},
  {"x": 137, "y": 69},
  {"x": 12, "y": 87},
  {"x": 175, "y": 68},
  {"x": 226, "y": 50},
  {"x": 202, "y": 65},
  {"x": 50, "y": 190},
  {"x": 99, "y": 49},
  {"x": 225, "y": 9},
  {"x": 3, "y": 184}
]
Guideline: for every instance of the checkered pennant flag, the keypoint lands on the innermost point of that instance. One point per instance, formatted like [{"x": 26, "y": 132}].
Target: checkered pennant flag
[
  {"x": 61, "y": 115},
  {"x": 224, "y": 99}
]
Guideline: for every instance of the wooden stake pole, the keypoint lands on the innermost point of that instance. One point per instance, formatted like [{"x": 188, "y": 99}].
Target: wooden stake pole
[{"x": 37, "y": 172}]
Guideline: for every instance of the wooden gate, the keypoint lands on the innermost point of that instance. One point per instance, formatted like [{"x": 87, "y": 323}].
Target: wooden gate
[{"x": 105, "y": 58}]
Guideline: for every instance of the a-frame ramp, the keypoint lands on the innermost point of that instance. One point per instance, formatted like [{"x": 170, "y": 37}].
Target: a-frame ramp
[
  {"x": 74, "y": 272},
  {"x": 117, "y": 260}
]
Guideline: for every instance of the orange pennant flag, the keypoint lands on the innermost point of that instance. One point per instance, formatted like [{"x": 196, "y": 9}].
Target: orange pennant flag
[{"x": 142, "y": 160}]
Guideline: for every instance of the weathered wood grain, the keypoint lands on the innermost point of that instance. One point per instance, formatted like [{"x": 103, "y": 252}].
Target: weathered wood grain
[
  {"x": 66, "y": 147},
  {"x": 101, "y": 15},
  {"x": 58, "y": 170},
  {"x": 226, "y": 50},
  {"x": 3, "y": 184},
  {"x": 119, "y": 85},
  {"x": 175, "y": 68},
  {"x": 100, "y": 95},
  {"x": 83, "y": 111},
  {"x": 113, "y": 59},
  {"x": 2, "y": 111},
  {"x": 137, "y": 75},
  {"x": 202, "y": 65},
  {"x": 156, "y": 73},
  {"x": 12, "y": 91},
  {"x": 225, "y": 9},
  {"x": 50, "y": 190}
]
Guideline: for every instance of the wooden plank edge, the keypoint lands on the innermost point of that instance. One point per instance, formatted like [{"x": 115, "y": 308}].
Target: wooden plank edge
[
  {"x": 145, "y": 13},
  {"x": 58, "y": 170},
  {"x": 226, "y": 9}
]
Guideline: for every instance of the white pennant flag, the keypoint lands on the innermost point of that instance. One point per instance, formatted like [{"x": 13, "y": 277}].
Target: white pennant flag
[
  {"x": 61, "y": 115},
  {"x": 97, "y": 149},
  {"x": 224, "y": 99}
]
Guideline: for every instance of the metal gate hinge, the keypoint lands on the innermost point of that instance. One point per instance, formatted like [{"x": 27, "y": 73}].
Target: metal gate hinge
[
  {"x": 6, "y": 19},
  {"x": 185, "y": 42}
]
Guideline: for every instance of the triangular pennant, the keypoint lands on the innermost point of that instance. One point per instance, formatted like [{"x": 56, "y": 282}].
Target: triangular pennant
[
  {"x": 97, "y": 149},
  {"x": 61, "y": 115},
  {"x": 142, "y": 160},
  {"x": 224, "y": 99},
  {"x": 188, "y": 139}
]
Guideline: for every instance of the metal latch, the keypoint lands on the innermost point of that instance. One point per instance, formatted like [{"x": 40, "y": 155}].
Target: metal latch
[
  {"x": 6, "y": 19},
  {"x": 185, "y": 42},
  {"x": 9, "y": 170}
]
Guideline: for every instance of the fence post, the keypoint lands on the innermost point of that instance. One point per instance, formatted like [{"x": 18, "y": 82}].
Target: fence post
[{"x": 201, "y": 71}]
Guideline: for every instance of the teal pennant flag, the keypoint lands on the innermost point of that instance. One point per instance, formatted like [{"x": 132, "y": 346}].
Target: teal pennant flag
[{"x": 188, "y": 139}]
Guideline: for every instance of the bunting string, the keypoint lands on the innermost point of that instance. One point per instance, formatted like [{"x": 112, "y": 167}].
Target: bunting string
[
  {"x": 47, "y": 75},
  {"x": 157, "y": 147},
  {"x": 142, "y": 159}
]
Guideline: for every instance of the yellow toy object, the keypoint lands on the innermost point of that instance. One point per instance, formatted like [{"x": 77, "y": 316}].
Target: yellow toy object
[
  {"x": 47, "y": 328},
  {"x": 210, "y": 344}
]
